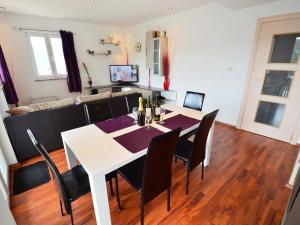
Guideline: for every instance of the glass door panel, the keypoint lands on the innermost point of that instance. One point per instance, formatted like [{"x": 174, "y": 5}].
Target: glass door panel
[
  {"x": 277, "y": 83},
  {"x": 285, "y": 48},
  {"x": 269, "y": 113}
]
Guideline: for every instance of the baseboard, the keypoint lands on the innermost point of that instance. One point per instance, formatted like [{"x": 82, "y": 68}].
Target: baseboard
[
  {"x": 226, "y": 124},
  {"x": 14, "y": 165}
]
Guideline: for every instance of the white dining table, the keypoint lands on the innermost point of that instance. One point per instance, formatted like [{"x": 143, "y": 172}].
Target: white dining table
[{"x": 99, "y": 154}]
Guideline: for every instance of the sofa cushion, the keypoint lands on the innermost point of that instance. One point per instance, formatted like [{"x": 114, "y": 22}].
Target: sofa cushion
[
  {"x": 20, "y": 110},
  {"x": 88, "y": 98},
  {"x": 51, "y": 105}
]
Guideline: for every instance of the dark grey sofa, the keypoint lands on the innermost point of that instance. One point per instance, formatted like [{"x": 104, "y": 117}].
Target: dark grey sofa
[{"x": 47, "y": 125}]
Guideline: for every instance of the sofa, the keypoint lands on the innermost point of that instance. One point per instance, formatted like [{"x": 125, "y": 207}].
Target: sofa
[{"x": 48, "y": 124}]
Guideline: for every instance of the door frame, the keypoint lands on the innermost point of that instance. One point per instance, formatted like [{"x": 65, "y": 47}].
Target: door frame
[{"x": 259, "y": 23}]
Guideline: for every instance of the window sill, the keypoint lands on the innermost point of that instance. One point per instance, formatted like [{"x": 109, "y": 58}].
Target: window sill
[{"x": 50, "y": 78}]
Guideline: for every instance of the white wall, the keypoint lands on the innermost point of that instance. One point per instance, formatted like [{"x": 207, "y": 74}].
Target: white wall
[
  {"x": 4, "y": 176},
  {"x": 209, "y": 51},
  {"x": 5, "y": 145},
  {"x": 5, "y": 213},
  {"x": 17, "y": 52}
]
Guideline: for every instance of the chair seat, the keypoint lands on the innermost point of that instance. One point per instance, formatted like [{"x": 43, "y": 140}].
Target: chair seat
[
  {"x": 133, "y": 172},
  {"x": 184, "y": 149},
  {"x": 76, "y": 181}
]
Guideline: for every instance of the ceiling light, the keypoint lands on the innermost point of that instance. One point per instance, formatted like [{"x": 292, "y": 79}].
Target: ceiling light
[
  {"x": 170, "y": 8},
  {"x": 2, "y": 8},
  {"x": 89, "y": 7}
]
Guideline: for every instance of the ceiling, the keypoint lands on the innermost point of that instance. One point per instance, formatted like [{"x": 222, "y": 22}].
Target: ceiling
[{"x": 113, "y": 12}]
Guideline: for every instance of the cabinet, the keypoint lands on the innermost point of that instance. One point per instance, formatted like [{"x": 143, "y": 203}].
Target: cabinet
[{"x": 156, "y": 48}]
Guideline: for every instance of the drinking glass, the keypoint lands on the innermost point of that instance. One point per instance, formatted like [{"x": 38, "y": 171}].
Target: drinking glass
[
  {"x": 162, "y": 113},
  {"x": 135, "y": 114},
  {"x": 148, "y": 120}
]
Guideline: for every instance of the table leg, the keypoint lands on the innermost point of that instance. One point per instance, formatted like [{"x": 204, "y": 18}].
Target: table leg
[
  {"x": 208, "y": 145},
  {"x": 71, "y": 159},
  {"x": 100, "y": 199}
]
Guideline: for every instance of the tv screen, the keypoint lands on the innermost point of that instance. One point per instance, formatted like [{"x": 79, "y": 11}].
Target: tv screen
[{"x": 124, "y": 73}]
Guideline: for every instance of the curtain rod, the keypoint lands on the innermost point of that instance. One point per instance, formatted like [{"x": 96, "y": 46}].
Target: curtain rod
[
  {"x": 30, "y": 29},
  {"x": 38, "y": 30}
]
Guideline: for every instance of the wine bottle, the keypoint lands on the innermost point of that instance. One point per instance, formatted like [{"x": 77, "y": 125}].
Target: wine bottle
[
  {"x": 149, "y": 109},
  {"x": 157, "y": 109},
  {"x": 141, "y": 113}
]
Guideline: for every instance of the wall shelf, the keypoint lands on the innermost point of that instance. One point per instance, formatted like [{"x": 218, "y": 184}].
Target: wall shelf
[
  {"x": 92, "y": 52},
  {"x": 109, "y": 42}
]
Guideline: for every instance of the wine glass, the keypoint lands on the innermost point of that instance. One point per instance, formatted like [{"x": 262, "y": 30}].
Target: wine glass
[
  {"x": 162, "y": 113},
  {"x": 148, "y": 120},
  {"x": 135, "y": 114}
]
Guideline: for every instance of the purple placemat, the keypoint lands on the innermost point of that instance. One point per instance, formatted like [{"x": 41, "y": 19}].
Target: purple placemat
[
  {"x": 118, "y": 123},
  {"x": 137, "y": 140},
  {"x": 180, "y": 120}
]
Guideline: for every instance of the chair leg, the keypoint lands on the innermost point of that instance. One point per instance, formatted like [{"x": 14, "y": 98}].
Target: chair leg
[
  {"x": 117, "y": 192},
  {"x": 71, "y": 215},
  {"x": 142, "y": 210},
  {"x": 168, "y": 199},
  {"x": 175, "y": 159},
  {"x": 72, "y": 220},
  {"x": 111, "y": 188},
  {"x": 61, "y": 208},
  {"x": 202, "y": 174},
  {"x": 187, "y": 179}
]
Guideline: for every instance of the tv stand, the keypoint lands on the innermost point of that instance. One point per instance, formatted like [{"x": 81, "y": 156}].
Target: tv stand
[{"x": 170, "y": 95}]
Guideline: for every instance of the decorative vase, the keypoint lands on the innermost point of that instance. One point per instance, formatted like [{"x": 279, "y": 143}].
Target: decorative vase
[
  {"x": 90, "y": 82},
  {"x": 166, "y": 83}
]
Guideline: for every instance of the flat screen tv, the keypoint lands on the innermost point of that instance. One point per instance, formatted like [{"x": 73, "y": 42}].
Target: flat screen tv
[{"x": 124, "y": 73}]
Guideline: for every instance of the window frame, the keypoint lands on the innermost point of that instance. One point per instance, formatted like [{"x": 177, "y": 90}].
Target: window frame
[{"x": 47, "y": 36}]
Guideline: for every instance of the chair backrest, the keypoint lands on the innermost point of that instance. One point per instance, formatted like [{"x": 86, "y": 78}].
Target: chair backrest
[
  {"x": 199, "y": 143},
  {"x": 118, "y": 106},
  {"x": 97, "y": 111},
  {"x": 133, "y": 100},
  {"x": 158, "y": 166},
  {"x": 59, "y": 183},
  {"x": 194, "y": 100}
]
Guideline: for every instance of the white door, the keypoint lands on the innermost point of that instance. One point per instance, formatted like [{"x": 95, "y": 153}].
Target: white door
[{"x": 273, "y": 102}]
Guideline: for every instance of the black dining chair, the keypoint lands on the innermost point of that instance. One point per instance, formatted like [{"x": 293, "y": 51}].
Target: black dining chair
[
  {"x": 133, "y": 100},
  {"x": 97, "y": 111},
  {"x": 118, "y": 106},
  {"x": 193, "y": 153},
  {"x": 194, "y": 100},
  {"x": 72, "y": 184},
  {"x": 151, "y": 175}
]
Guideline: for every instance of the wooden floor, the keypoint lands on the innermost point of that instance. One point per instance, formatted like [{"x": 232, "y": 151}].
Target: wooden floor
[{"x": 243, "y": 185}]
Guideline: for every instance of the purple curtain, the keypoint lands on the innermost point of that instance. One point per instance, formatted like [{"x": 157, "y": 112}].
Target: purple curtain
[
  {"x": 74, "y": 80},
  {"x": 8, "y": 86}
]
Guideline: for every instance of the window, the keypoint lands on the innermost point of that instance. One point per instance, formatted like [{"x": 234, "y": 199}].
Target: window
[{"x": 48, "y": 55}]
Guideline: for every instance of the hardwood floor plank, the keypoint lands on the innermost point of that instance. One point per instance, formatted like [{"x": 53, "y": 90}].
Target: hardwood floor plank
[{"x": 243, "y": 185}]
